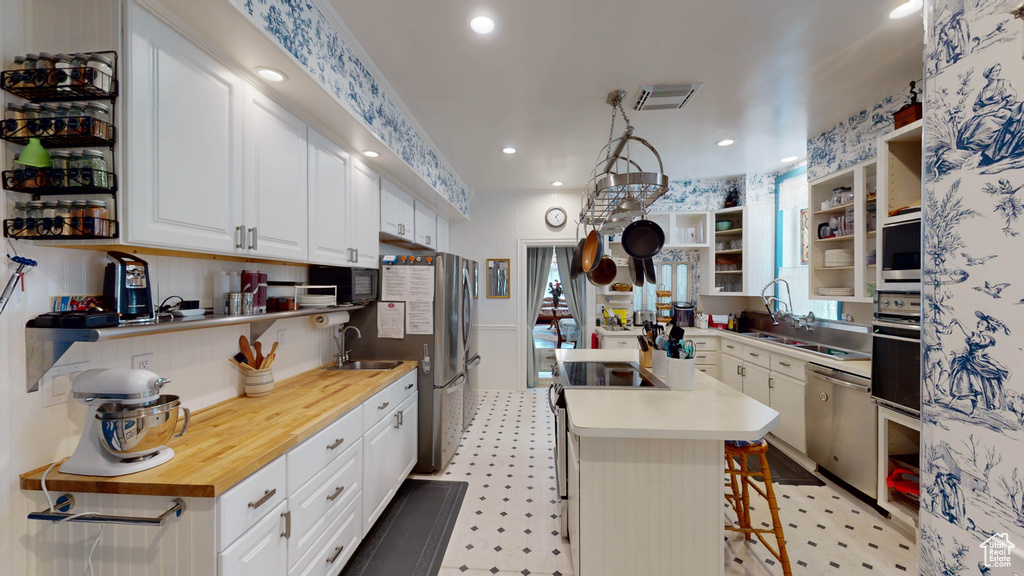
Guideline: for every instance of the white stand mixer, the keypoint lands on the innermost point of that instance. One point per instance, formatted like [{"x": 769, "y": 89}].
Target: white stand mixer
[{"x": 127, "y": 424}]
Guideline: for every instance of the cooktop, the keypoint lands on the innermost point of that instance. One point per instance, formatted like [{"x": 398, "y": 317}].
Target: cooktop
[{"x": 610, "y": 375}]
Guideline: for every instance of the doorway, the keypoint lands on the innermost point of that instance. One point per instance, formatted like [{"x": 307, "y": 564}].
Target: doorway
[{"x": 552, "y": 317}]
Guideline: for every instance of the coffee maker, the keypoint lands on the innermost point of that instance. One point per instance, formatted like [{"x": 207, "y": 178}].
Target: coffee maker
[{"x": 126, "y": 288}]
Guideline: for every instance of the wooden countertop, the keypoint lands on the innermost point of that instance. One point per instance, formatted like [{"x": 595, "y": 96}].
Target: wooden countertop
[{"x": 229, "y": 441}]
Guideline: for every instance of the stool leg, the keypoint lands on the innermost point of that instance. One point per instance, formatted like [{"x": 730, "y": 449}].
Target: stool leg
[
  {"x": 745, "y": 481},
  {"x": 773, "y": 505},
  {"x": 735, "y": 488}
]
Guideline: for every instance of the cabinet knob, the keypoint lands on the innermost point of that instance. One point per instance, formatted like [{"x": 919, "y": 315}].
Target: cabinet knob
[{"x": 823, "y": 396}]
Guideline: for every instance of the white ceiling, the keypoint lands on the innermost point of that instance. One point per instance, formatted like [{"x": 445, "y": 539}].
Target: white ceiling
[{"x": 775, "y": 72}]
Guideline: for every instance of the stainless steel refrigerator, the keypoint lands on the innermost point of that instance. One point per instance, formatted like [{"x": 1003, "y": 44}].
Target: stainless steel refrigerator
[{"x": 447, "y": 381}]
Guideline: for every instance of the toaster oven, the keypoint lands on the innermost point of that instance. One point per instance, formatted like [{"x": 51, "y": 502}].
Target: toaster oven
[{"x": 355, "y": 285}]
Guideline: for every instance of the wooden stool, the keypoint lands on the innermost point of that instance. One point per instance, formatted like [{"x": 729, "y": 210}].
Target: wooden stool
[{"x": 740, "y": 497}]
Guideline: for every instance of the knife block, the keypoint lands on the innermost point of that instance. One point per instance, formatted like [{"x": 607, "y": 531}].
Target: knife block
[{"x": 645, "y": 359}]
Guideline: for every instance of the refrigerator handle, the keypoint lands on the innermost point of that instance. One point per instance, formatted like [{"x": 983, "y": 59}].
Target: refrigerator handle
[{"x": 425, "y": 362}]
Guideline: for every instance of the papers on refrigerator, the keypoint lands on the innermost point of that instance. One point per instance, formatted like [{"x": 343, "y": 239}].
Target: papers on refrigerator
[
  {"x": 391, "y": 320},
  {"x": 394, "y": 284},
  {"x": 420, "y": 284},
  {"x": 420, "y": 319}
]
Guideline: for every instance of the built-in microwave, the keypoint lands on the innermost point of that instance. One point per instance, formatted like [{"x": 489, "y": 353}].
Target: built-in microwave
[
  {"x": 355, "y": 285},
  {"x": 901, "y": 255}
]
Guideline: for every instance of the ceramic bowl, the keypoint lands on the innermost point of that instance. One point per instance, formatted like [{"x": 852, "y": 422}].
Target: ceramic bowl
[{"x": 723, "y": 225}]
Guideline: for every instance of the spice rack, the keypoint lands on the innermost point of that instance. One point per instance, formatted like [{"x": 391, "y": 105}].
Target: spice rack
[{"x": 67, "y": 84}]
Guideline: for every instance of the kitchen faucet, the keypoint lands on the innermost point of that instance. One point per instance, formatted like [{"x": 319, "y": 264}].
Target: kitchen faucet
[
  {"x": 342, "y": 355},
  {"x": 768, "y": 300}
]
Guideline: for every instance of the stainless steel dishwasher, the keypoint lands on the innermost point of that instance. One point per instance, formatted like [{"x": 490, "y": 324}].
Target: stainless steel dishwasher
[{"x": 842, "y": 429}]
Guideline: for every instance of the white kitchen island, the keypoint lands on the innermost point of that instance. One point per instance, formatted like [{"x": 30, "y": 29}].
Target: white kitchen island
[{"x": 646, "y": 474}]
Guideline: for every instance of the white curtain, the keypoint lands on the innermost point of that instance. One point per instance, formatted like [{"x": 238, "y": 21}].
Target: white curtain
[
  {"x": 538, "y": 264},
  {"x": 574, "y": 290}
]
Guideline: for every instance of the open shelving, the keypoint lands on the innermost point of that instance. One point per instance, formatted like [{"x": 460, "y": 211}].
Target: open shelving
[
  {"x": 742, "y": 257},
  {"x": 684, "y": 229},
  {"x": 899, "y": 182}
]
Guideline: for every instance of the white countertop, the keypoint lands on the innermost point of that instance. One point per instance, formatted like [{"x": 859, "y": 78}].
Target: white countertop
[{"x": 629, "y": 331}]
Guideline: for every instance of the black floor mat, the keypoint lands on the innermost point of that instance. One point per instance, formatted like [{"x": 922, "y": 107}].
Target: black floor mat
[
  {"x": 411, "y": 536},
  {"x": 784, "y": 470}
]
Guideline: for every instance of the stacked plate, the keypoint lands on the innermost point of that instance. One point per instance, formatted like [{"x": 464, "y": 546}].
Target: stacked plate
[
  {"x": 835, "y": 291},
  {"x": 316, "y": 301},
  {"x": 838, "y": 257}
]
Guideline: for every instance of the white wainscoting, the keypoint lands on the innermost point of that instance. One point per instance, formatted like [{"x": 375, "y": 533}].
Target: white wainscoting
[{"x": 498, "y": 357}]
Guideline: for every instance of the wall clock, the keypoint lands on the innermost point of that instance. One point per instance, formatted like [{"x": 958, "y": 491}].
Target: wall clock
[{"x": 555, "y": 217}]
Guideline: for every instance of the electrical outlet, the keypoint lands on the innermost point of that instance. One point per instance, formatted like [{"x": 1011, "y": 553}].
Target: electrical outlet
[
  {"x": 143, "y": 361},
  {"x": 280, "y": 337},
  {"x": 56, "y": 384}
]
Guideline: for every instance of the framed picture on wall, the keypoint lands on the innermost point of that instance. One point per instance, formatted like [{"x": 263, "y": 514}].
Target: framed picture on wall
[{"x": 805, "y": 230}]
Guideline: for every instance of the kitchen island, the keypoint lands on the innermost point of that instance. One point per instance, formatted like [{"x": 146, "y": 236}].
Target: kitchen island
[{"x": 646, "y": 473}]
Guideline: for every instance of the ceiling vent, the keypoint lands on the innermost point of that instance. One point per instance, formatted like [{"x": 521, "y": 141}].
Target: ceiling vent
[{"x": 665, "y": 96}]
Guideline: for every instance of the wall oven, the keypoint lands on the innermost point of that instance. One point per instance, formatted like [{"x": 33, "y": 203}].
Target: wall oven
[
  {"x": 896, "y": 351},
  {"x": 901, "y": 256}
]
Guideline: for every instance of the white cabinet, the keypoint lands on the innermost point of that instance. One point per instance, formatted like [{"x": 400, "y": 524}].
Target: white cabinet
[
  {"x": 389, "y": 446},
  {"x": 757, "y": 383},
  {"x": 275, "y": 179},
  {"x": 443, "y": 235},
  {"x": 787, "y": 397},
  {"x": 408, "y": 416},
  {"x": 744, "y": 254},
  {"x": 573, "y": 473},
  {"x": 262, "y": 551},
  {"x": 616, "y": 342},
  {"x": 397, "y": 211},
  {"x": 732, "y": 371},
  {"x": 426, "y": 226},
  {"x": 184, "y": 129},
  {"x": 343, "y": 210}
]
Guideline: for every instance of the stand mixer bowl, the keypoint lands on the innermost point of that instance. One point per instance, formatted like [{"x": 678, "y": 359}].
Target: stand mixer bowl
[{"x": 136, "y": 432}]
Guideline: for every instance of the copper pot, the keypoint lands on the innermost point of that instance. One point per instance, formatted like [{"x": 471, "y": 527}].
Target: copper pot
[{"x": 604, "y": 273}]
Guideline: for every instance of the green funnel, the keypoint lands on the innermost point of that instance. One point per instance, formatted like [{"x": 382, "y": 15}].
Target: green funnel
[{"x": 34, "y": 155}]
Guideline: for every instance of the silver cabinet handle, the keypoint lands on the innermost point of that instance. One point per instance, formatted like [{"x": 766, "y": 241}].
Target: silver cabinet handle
[
  {"x": 786, "y": 364},
  {"x": 754, "y": 355},
  {"x": 398, "y": 420},
  {"x": 351, "y": 254},
  {"x": 771, "y": 383},
  {"x": 238, "y": 236},
  {"x": 267, "y": 495},
  {"x": 428, "y": 240},
  {"x": 337, "y": 442},
  {"x": 701, "y": 357},
  {"x": 337, "y": 552},
  {"x": 738, "y": 373},
  {"x": 410, "y": 385},
  {"x": 401, "y": 417},
  {"x": 357, "y": 254},
  {"x": 730, "y": 346},
  {"x": 383, "y": 406},
  {"x": 287, "y": 524},
  {"x": 337, "y": 492},
  {"x": 255, "y": 243},
  {"x": 743, "y": 371}
]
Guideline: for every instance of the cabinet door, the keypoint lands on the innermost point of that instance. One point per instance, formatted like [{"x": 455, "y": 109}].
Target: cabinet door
[
  {"x": 573, "y": 492},
  {"x": 328, "y": 202},
  {"x": 380, "y": 445},
  {"x": 406, "y": 447},
  {"x": 397, "y": 212},
  {"x": 426, "y": 226},
  {"x": 184, "y": 125},
  {"x": 732, "y": 372},
  {"x": 756, "y": 383},
  {"x": 787, "y": 395},
  {"x": 443, "y": 235},
  {"x": 262, "y": 551},
  {"x": 364, "y": 211},
  {"x": 276, "y": 213}
]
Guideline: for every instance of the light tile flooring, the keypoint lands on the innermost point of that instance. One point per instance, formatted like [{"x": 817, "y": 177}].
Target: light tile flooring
[{"x": 509, "y": 522}]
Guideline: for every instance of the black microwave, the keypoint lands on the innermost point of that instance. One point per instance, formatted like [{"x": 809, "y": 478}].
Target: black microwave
[
  {"x": 901, "y": 255},
  {"x": 355, "y": 285}
]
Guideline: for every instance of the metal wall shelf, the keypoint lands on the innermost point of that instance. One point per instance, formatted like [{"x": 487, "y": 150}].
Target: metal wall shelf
[{"x": 46, "y": 346}]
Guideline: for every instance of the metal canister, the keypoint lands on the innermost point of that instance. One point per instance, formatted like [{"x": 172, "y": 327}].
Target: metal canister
[{"x": 682, "y": 314}]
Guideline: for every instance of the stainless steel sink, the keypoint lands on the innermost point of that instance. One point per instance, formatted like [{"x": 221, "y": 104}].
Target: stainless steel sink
[
  {"x": 832, "y": 352},
  {"x": 761, "y": 336},
  {"x": 366, "y": 365}
]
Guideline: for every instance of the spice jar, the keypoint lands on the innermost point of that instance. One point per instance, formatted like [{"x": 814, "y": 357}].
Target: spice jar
[
  {"x": 63, "y": 217},
  {"x": 46, "y": 63},
  {"x": 60, "y": 120},
  {"x": 33, "y": 218},
  {"x": 18, "y": 220},
  {"x": 50, "y": 227},
  {"x": 31, "y": 125},
  {"x": 63, "y": 75},
  {"x": 75, "y": 169},
  {"x": 93, "y": 169},
  {"x": 103, "y": 69},
  {"x": 60, "y": 162},
  {"x": 100, "y": 115},
  {"x": 14, "y": 119},
  {"x": 47, "y": 119},
  {"x": 79, "y": 68},
  {"x": 75, "y": 120},
  {"x": 77, "y": 214},
  {"x": 96, "y": 211}
]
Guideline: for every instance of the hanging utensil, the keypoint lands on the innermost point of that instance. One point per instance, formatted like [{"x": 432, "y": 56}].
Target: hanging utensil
[
  {"x": 643, "y": 239},
  {"x": 18, "y": 273},
  {"x": 604, "y": 273},
  {"x": 649, "y": 271},
  {"x": 636, "y": 274},
  {"x": 577, "y": 261}
]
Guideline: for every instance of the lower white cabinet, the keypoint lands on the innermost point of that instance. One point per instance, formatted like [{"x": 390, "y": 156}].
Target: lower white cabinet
[
  {"x": 320, "y": 501},
  {"x": 772, "y": 379},
  {"x": 262, "y": 551},
  {"x": 573, "y": 473},
  {"x": 389, "y": 454},
  {"x": 788, "y": 399},
  {"x": 335, "y": 546}
]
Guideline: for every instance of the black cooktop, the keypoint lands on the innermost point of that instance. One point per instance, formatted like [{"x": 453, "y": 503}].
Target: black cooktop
[{"x": 617, "y": 375}]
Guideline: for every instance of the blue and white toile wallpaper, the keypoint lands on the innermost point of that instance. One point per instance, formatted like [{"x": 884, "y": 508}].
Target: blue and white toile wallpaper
[
  {"x": 972, "y": 461},
  {"x": 690, "y": 257},
  {"x": 301, "y": 29},
  {"x": 700, "y": 195}
]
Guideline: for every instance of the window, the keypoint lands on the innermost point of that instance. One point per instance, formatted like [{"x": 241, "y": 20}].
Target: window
[
  {"x": 791, "y": 233},
  {"x": 672, "y": 276}
]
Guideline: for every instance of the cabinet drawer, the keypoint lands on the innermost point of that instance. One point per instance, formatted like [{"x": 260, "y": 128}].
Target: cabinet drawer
[
  {"x": 322, "y": 499},
  {"x": 709, "y": 370},
  {"x": 705, "y": 343},
  {"x": 613, "y": 343},
  {"x": 319, "y": 450},
  {"x": 757, "y": 356},
  {"x": 731, "y": 347},
  {"x": 383, "y": 402},
  {"x": 788, "y": 366},
  {"x": 705, "y": 357},
  {"x": 242, "y": 506},
  {"x": 263, "y": 549},
  {"x": 336, "y": 545}
]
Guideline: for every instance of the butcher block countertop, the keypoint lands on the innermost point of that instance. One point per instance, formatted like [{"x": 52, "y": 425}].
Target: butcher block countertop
[{"x": 229, "y": 441}]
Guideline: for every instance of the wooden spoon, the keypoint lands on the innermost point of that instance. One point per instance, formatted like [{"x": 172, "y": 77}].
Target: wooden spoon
[
  {"x": 259, "y": 353},
  {"x": 269, "y": 359},
  {"x": 243, "y": 345}
]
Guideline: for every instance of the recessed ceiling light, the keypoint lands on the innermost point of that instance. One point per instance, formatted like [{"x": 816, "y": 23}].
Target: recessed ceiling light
[
  {"x": 508, "y": 150},
  {"x": 905, "y": 9},
  {"x": 482, "y": 25},
  {"x": 370, "y": 153},
  {"x": 726, "y": 142},
  {"x": 789, "y": 159},
  {"x": 270, "y": 74},
  {"x": 556, "y": 183}
]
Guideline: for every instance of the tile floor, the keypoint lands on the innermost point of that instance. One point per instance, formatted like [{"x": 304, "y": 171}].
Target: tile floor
[{"x": 509, "y": 521}]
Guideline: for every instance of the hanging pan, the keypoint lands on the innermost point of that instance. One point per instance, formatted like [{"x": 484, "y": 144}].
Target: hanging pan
[
  {"x": 577, "y": 261},
  {"x": 636, "y": 272},
  {"x": 593, "y": 247},
  {"x": 643, "y": 239},
  {"x": 652, "y": 278},
  {"x": 604, "y": 273}
]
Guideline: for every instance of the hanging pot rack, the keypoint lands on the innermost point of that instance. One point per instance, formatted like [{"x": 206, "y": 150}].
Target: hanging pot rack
[{"x": 617, "y": 176}]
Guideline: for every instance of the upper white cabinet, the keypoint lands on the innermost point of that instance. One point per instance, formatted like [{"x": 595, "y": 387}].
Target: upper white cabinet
[
  {"x": 343, "y": 206},
  {"x": 426, "y": 226},
  {"x": 443, "y": 235},
  {"x": 397, "y": 211},
  {"x": 275, "y": 179},
  {"x": 184, "y": 169},
  {"x": 744, "y": 251}
]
